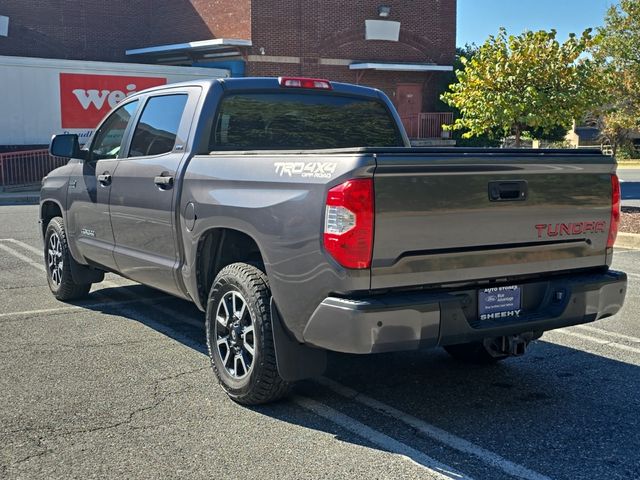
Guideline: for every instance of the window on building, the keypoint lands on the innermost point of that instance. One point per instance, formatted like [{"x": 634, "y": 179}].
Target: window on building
[
  {"x": 281, "y": 121},
  {"x": 107, "y": 140},
  {"x": 157, "y": 129}
]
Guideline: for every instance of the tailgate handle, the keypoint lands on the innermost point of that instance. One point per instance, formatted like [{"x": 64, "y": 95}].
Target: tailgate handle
[{"x": 511, "y": 191}]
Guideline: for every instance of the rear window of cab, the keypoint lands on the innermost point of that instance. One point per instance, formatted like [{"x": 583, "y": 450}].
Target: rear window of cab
[{"x": 285, "y": 121}]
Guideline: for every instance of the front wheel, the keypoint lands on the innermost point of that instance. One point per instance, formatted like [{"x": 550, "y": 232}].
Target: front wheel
[
  {"x": 58, "y": 264},
  {"x": 239, "y": 336}
]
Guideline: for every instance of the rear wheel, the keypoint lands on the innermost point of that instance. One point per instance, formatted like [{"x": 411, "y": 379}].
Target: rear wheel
[
  {"x": 239, "y": 336},
  {"x": 58, "y": 264}
]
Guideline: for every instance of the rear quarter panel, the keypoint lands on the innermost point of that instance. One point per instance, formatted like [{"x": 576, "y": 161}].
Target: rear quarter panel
[{"x": 278, "y": 199}]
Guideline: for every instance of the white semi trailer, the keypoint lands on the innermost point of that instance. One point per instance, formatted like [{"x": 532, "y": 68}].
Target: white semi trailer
[{"x": 41, "y": 97}]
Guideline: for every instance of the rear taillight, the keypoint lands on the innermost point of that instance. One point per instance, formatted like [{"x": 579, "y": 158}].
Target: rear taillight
[
  {"x": 615, "y": 210},
  {"x": 348, "y": 224},
  {"x": 302, "y": 82}
]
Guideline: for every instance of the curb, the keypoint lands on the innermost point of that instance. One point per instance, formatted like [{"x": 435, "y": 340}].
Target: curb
[
  {"x": 24, "y": 199},
  {"x": 628, "y": 240}
]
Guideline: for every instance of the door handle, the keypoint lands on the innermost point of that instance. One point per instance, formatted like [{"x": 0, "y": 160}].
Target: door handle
[
  {"x": 163, "y": 181},
  {"x": 104, "y": 179}
]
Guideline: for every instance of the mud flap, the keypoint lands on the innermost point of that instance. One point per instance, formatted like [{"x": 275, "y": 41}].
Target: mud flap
[
  {"x": 84, "y": 274},
  {"x": 294, "y": 360}
]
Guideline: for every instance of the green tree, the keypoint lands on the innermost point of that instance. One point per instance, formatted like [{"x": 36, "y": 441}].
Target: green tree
[
  {"x": 491, "y": 139},
  {"x": 617, "y": 47},
  {"x": 526, "y": 83}
]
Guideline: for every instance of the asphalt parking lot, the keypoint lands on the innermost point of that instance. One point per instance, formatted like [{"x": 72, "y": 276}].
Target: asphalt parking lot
[{"x": 118, "y": 385}]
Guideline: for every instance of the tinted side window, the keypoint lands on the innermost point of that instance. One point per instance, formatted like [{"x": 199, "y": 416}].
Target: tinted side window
[
  {"x": 107, "y": 140},
  {"x": 158, "y": 126},
  {"x": 268, "y": 121}
]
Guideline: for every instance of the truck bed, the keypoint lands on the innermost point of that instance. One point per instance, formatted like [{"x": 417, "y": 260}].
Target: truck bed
[{"x": 436, "y": 223}]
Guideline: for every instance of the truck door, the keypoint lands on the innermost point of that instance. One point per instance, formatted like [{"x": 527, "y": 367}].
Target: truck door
[
  {"x": 143, "y": 193},
  {"x": 89, "y": 188}
]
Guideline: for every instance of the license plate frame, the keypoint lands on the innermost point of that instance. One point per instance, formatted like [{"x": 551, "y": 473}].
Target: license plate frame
[{"x": 499, "y": 302}]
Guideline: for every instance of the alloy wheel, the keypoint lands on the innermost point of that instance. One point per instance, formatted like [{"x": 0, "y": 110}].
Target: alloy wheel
[
  {"x": 54, "y": 259},
  {"x": 234, "y": 334}
]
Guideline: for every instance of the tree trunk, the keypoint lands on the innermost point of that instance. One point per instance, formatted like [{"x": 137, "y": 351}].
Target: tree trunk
[{"x": 518, "y": 135}]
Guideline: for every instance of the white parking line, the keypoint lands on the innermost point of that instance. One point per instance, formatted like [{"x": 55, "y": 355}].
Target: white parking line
[
  {"x": 589, "y": 338},
  {"x": 107, "y": 283},
  {"x": 35, "y": 250},
  {"x": 434, "y": 468},
  {"x": 89, "y": 306},
  {"x": 434, "y": 432},
  {"x": 608, "y": 333},
  {"x": 19, "y": 256}
]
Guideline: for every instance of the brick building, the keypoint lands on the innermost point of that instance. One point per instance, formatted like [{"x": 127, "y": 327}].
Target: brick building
[{"x": 400, "y": 46}]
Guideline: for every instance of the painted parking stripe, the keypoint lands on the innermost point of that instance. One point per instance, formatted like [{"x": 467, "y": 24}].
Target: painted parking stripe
[
  {"x": 87, "y": 306},
  {"x": 31, "y": 248},
  {"x": 433, "y": 432},
  {"x": 608, "y": 333},
  {"x": 22, "y": 257},
  {"x": 434, "y": 468},
  {"x": 600, "y": 341},
  {"x": 107, "y": 283},
  {"x": 15, "y": 253}
]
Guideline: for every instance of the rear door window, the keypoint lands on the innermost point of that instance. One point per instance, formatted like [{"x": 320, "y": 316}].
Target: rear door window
[
  {"x": 281, "y": 121},
  {"x": 157, "y": 129}
]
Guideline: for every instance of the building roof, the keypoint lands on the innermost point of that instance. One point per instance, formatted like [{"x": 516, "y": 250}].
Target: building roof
[{"x": 213, "y": 48}]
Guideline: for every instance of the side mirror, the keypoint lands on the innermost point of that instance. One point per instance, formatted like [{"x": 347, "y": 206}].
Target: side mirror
[{"x": 65, "y": 145}]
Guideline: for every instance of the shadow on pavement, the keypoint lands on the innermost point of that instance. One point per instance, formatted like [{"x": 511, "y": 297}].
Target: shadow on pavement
[{"x": 563, "y": 412}]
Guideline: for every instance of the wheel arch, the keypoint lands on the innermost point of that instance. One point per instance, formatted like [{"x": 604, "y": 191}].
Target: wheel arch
[
  {"x": 219, "y": 247},
  {"x": 48, "y": 210}
]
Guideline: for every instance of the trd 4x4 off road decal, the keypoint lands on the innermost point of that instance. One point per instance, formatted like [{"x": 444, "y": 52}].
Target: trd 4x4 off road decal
[{"x": 306, "y": 169}]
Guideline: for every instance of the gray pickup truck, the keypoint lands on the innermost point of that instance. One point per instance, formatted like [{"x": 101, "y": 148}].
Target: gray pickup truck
[{"x": 295, "y": 214}]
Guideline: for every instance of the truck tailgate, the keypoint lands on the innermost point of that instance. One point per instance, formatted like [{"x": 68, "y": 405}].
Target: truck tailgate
[{"x": 446, "y": 218}]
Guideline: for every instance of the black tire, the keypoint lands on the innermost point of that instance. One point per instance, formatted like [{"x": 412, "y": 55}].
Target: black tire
[
  {"x": 474, "y": 352},
  {"x": 61, "y": 282},
  {"x": 259, "y": 381}
]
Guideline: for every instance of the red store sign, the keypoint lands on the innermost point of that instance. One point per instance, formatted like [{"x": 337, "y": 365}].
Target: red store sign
[{"x": 86, "y": 99}]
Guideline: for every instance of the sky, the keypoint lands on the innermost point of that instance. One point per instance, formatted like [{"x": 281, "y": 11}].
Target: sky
[{"x": 477, "y": 19}]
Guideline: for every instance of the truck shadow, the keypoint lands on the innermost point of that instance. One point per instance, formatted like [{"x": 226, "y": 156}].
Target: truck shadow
[{"x": 558, "y": 410}]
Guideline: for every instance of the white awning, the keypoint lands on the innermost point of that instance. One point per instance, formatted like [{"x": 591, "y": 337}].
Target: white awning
[
  {"x": 402, "y": 67},
  {"x": 213, "y": 47}
]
